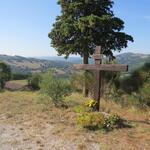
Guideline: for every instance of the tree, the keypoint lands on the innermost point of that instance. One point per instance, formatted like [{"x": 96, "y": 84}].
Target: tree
[
  {"x": 84, "y": 24},
  {"x": 5, "y": 74}
]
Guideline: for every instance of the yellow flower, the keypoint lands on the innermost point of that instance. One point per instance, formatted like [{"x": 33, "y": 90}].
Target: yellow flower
[{"x": 91, "y": 103}]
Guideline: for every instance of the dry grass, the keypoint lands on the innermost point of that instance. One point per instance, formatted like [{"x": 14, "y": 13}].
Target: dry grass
[
  {"x": 45, "y": 124},
  {"x": 22, "y": 82},
  {"x": 126, "y": 112}
]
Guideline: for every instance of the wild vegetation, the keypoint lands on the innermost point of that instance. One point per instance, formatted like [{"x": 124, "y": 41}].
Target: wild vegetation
[
  {"x": 5, "y": 74},
  {"x": 54, "y": 87},
  {"x": 133, "y": 89}
]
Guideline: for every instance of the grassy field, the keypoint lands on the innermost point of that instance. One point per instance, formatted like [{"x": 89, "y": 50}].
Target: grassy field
[{"x": 30, "y": 121}]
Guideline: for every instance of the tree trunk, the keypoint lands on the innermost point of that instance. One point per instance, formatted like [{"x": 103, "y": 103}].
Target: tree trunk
[{"x": 85, "y": 88}]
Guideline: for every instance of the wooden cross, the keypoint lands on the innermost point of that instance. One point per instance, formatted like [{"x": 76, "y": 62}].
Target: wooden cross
[{"x": 97, "y": 68}]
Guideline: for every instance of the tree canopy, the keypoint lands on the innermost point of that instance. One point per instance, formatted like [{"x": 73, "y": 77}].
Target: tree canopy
[{"x": 84, "y": 24}]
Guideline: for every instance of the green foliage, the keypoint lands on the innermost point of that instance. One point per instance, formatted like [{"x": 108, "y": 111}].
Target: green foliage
[
  {"x": 85, "y": 24},
  {"x": 136, "y": 80},
  {"x": 34, "y": 81},
  {"x": 19, "y": 76},
  {"x": 91, "y": 121},
  {"x": 82, "y": 109},
  {"x": 132, "y": 90},
  {"x": 56, "y": 88},
  {"x": 141, "y": 99},
  {"x": 5, "y": 74},
  {"x": 97, "y": 121},
  {"x": 145, "y": 94},
  {"x": 114, "y": 121},
  {"x": 79, "y": 80}
]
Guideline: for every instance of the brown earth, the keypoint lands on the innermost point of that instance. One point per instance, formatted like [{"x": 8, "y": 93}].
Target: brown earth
[{"x": 11, "y": 85}]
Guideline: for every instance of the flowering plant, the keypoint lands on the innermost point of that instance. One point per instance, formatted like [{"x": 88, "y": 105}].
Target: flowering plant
[{"x": 91, "y": 103}]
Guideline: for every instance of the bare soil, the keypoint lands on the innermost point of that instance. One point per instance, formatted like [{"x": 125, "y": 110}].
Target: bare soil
[{"x": 11, "y": 85}]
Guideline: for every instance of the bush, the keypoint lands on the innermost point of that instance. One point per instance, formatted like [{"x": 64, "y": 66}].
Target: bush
[
  {"x": 145, "y": 94},
  {"x": 132, "y": 90},
  {"x": 56, "y": 88},
  {"x": 91, "y": 121},
  {"x": 19, "y": 76},
  {"x": 79, "y": 81},
  {"x": 136, "y": 80},
  {"x": 113, "y": 121},
  {"x": 34, "y": 81},
  {"x": 97, "y": 121},
  {"x": 82, "y": 109},
  {"x": 5, "y": 74}
]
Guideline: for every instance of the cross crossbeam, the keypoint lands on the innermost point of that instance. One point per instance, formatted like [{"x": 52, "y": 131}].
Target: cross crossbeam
[{"x": 102, "y": 67}]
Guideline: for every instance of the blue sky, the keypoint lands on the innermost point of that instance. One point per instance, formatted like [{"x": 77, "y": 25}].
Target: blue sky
[{"x": 24, "y": 25}]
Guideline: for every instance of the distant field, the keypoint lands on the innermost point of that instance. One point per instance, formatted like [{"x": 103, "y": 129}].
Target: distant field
[
  {"x": 16, "y": 84},
  {"x": 30, "y": 121}
]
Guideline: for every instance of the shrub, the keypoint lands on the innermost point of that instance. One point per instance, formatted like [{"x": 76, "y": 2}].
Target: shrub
[
  {"x": 113, "y": 121},
  {"x": 132, "y": 90},
  {"x": 97, "y": 121},
  {"x": 20, "y": 76},
  {"x": 34, "y": 81},
  {"x": 82, "y": 109},
  {"x": 79, "y": 80},
  {"x": 136, "y": 80},
  {"x": 145, "y": 94},
  {"x": 91, "y": 121},
  {"x": 5, "y": 74},
  {"x": 56, "y": 88}
]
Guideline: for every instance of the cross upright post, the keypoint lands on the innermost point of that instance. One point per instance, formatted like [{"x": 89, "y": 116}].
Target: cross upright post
[{"x": 97, "y": 73}]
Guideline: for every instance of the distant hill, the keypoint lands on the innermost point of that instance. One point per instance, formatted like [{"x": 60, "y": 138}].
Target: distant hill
[
  {"x": 63, "y": 66},
  {"x": 132, "y": 59},
  {"x": 32, "y": 65}
]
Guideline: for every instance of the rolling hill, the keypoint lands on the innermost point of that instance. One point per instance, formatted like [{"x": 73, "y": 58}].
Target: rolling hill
[
  {"x": 63, "y": 66},
  {"x": 20, "y": 64},
  {"x": 134, "y": 60}
]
